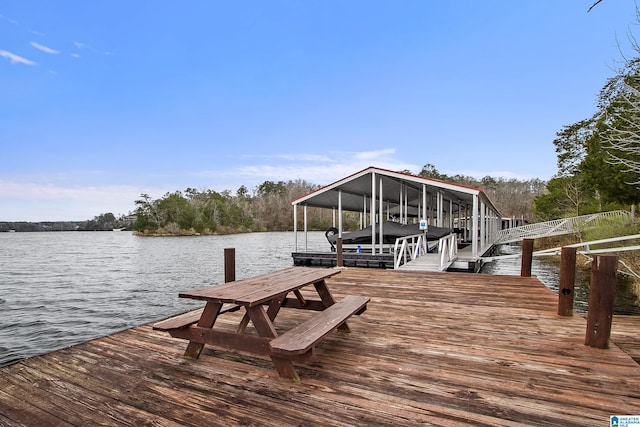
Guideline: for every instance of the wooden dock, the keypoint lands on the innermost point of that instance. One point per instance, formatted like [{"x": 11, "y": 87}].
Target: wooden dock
[{"x": 443, "y": 349}]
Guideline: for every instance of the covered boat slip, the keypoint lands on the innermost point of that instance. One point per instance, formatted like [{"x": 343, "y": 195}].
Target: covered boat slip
[{"x": 402, "y": 217}]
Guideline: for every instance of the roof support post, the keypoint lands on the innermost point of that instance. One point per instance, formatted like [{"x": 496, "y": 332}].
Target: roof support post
[
  {"x": 401, "y": 204},
  {"x": 450, "y": 216},
  {"x": 373, "y": 212},
  {"x": 340, "y": 213},
  {"x": 295, "y": 228},
  {"x": 424, "y": 202},
  {"x": 474, "y": 227},
  {"x": 304, "y": 210},
  {"x": 439, "y": 203},
  {"x": 363, "y": 223},
  {"x": 381, "y": 213},
  {"x": 483, "y": 227}
]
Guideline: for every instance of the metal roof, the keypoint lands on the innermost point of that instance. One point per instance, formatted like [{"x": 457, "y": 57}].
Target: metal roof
[{"x": 356, "y": 187}]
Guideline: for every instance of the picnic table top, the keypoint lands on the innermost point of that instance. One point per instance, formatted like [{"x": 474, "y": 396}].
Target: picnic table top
[{"x": 260, "y": 289}]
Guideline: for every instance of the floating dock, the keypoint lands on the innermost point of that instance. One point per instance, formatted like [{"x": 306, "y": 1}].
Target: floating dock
[{"x": 445, "y": 349}]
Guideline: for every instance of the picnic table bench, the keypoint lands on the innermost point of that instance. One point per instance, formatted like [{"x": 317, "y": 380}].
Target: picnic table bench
[{"x": 262, "y": 297}]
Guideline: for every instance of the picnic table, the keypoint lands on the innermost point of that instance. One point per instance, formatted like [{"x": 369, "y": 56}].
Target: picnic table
[{"x": 262, "y": 297}]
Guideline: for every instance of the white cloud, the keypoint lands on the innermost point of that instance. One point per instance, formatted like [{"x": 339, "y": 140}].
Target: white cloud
[
  {"x": 316, "y": 169},
  {"x": 371, "y": 155},
  {"x": 11, "y": 21},
  {"x": 44, "y": 49},
  {"x": 35, "y": 201},
  {"x": 15, "y": 59}
]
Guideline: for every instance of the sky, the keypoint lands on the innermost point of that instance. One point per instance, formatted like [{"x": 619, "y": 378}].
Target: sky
[{"x": 102, "y": 101}]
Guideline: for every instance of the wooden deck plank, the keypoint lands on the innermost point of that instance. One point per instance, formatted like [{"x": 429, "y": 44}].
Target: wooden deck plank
[{"x": 432, "y": 349}]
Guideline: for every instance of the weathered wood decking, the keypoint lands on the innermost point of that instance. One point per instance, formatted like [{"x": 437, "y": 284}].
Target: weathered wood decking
[{"x": 432, "y": 349}]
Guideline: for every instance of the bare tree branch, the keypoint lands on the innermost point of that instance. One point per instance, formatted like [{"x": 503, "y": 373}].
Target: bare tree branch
[{"x": 593, "y": 5}]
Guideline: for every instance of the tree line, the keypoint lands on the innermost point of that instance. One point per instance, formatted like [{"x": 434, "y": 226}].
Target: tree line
[
  {"x": 599, "y": 156},
  {"x": 268, "y": 206}
]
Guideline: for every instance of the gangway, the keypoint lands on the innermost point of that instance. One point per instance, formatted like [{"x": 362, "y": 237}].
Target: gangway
[
  {"x": 558, "y": 227},
  {"x": 413, "y": 252}
]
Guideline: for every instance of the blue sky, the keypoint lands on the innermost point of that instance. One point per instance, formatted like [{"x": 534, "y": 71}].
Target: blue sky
[{"x": 101, "y": 101}]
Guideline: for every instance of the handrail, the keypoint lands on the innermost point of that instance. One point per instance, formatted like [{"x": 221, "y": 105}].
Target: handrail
[
  {"x": 587, "y": 251},
  {"x": 411, "y": 247},
  {"x": 448, "y": 250},
  {"x": 556, "y": 227}
]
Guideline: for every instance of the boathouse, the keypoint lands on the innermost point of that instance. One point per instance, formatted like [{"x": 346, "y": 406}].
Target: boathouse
[{"x": 453, "y": 224}]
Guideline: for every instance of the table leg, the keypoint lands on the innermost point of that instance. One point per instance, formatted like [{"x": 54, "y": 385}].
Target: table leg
[
  {"x": 264, "y": 327},
  {"x": 207, "y": 319},
  {"x": 328, "y": 300},
  {"x": 274, "y": 308}
]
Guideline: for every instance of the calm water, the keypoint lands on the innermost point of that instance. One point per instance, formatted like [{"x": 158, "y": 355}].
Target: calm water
[
  {"x": 63, "y": 288},
  {"x": 59, "y": 289},
  {"x": 548, "y": 272}
]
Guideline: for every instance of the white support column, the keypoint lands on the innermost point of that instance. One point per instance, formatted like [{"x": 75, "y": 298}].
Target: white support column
[
  {"x": 405, "y": 220},
  {"x": 304, "y": 214},
  {"x": 295, "y": 228},
  {"x": 381, "y": 207},
  {"x": 450, "y": 216},
  {"x": 424, "y": 203},
  {"x": 364, "y": 210},
  {"x": 373, "y": 212},
  {"x": 340, "y": 213},
  {"x": 439, "y": 209},
  {"x": 474, "y": 227},
  {"x": 483, "y": 227},
  {"x": 401, "y": 204}
]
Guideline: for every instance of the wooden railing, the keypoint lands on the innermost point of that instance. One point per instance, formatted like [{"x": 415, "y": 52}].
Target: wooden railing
[{"x": 557, "y": 227}]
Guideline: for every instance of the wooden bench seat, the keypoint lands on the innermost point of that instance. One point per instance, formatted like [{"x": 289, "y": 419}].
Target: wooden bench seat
[
  {"x": 187, "y": 319},
  {"x": 303, "y": 337}
]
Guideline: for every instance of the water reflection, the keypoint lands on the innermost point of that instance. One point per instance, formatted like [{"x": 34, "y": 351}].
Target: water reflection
[{"x": 547, "y": 270}]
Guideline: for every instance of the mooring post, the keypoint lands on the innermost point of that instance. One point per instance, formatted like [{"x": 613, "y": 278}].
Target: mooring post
[
  {"x": 602, "y": 288},
  {"x": 339, "y": 252},
  {"x": 567, "y": 281},
  {"x": 229, "y": 264},
  {"x": 527, "y": 257}
]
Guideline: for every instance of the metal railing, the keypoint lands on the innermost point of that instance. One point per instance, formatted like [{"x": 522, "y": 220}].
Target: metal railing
[
  {"x": 557, "y": 227},
  {"x": 448, "y": 250},
  {"x": 409, "y": 248},
  {"x": 587, "y": 251}
]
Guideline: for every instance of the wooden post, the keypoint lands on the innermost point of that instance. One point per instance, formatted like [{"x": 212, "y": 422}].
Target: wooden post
[
  {"x": 339, "y": 262},
  {"x": 229, "y": 264},
  {"x": 567, "y": 281},
  {"x": 602, "y": 288},
  {"x": 527, "y": 257}
]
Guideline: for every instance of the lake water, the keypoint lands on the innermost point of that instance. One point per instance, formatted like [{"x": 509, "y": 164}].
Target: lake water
[
  {"x": 547, "y": 270},
  {"x": 63, "y": 288}
]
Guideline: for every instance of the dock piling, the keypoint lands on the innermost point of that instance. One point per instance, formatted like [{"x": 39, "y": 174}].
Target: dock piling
[
  {"x": 602, "y": 289},
  {"x": 339, "y": 262},
  {"x": 567, "y": 281},
  {"x": 527, "y": 257},
  {"x": 229, "y": 264}
]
